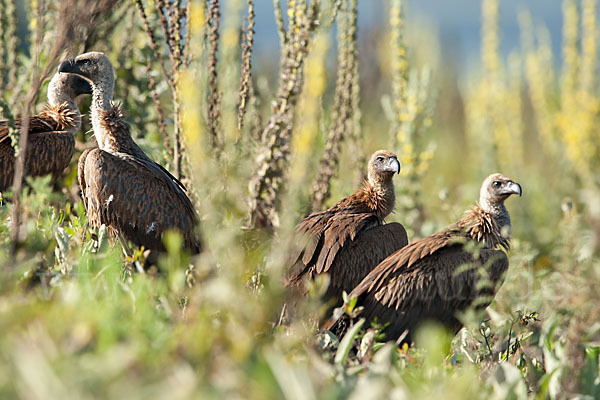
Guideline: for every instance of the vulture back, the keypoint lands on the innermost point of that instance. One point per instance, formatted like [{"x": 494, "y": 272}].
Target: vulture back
[
  {"x": 433, "y": 289},
  {"x": 135, "y": 198}
]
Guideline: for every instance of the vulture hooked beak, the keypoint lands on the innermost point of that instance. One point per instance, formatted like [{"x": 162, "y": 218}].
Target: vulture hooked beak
[
  {"x": 73, "y": 67},
  {"x": 513, "y": 188},
  {"x": 393, "y": 165}
]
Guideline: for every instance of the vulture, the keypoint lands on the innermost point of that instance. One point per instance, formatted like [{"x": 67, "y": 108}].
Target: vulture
[
  {"x": 50, "y": 142},
  {"x": 349, "y": 239},
  {"x": 435, "y": 277},
  {"x": 122, "y": 188}
]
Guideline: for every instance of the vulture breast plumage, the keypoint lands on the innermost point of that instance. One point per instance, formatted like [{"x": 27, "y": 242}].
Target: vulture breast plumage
[
  {"x": 434, "y": 277},
  {"x": 121, "y": 186},
  {"x": 349, "y": 239},
  {"x": 50, "y": 141}
]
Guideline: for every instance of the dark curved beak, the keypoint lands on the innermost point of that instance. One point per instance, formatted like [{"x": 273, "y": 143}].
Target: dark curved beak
[
  {"x": 394, "y": 165},
  {"x": 68, "y": 66},
  {"x": 514, "y": 188}
]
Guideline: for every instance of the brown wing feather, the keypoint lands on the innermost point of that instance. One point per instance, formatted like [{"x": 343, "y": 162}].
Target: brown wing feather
[
  {"x": 47, "y": 153},
  {"x": 434, "y": 288},
  {"x": 404, "y": 258},
  {"x": 131, "y": 197},
  {"x": 49, "y": 148},
  {"x": 346, "y": 218},
  {"x": 359, "y": 256},
  {"x": 325, "y": 233},
  {"x": 7, "y": 165},
  {"x": 37, "y": 124}
]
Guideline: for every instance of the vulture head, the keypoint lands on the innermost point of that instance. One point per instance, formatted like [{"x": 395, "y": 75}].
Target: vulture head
[
  {"x": 382, "y": 166},
  {"x": 95, "y": 67},
  {"x": 495, "y": 189},
  {"x": 66, "y": 88}
]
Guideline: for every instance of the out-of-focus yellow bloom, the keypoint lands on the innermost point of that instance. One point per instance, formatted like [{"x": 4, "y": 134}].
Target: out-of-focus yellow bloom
[
  {"x": 191, "y": 97},
  {"x": 33, "y": 22},
  {"x": 491, "y": 39},
  {"x": 230, "y": 38},
  {"x": 309, "y": 107},
  {"x": 197, "y": 17}
]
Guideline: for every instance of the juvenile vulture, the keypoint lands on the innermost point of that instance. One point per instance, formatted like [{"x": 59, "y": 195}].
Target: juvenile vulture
[
  {"x": 434, "y": 277},
  {"x": 121, "y": 186},
  {"x": 50, "y": 142},
  {"x": 349, "y": 239}
]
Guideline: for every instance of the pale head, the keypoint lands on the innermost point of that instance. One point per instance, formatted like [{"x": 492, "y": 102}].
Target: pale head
[
  {"x": 93, "y": 66},
  {"x": 495, "y": 189},
  {"x": 66, "y": 88},
  {"x": 382, "y": 166}
]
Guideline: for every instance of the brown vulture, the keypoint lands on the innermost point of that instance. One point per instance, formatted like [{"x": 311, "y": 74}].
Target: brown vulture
[
  {"x": 121, "y": 186},
  {"x": 434, "y": 277},
  {"x": 349, "y": 239},
  {"x": 50, "y": 142}
]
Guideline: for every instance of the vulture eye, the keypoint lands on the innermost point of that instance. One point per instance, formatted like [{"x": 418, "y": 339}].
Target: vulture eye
[
  {"x": 380, "y": 158},
  {"x": 496, "y": 184}
]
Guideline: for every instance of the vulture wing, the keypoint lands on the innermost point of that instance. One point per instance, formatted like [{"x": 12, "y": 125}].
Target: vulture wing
[
  {"x": 177, "y": 181},
  {"x": 406, "y": 257},
  {"x": 431, "y": 287},
  {"x": 135, "y": 197},
  {"x": 359, "y": 256},
  {"x": 47, "y": 153},
  {"x": 326, "y": 233},
  {"x": 37, "y": 124}
]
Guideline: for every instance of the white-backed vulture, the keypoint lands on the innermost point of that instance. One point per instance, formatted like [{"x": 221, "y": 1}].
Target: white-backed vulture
[
  {"x": 349, "y": 239},
  {"x": 435, "y": 277},
  {"x": 50, "y": 142},
  {"x": 121, "y": 186}
]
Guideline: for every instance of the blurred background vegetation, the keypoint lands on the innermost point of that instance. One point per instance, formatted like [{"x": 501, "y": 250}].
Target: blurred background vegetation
[{"x": 263, "y": 137}]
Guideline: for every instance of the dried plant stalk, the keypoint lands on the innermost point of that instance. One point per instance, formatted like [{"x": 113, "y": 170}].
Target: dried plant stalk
[
  {"x": 100, "y": 27},
  {"x": 345, "y": 99},
  {"x": 246, "y": 74},
  {"x": 3, "y": 44},
  {"x": 12, "y": 40},
  {"x": 162, "y": 128},
  {"x": 356, "y": 137},
  {"x": 153, "y": 41},
  {"x": 178, "y": 16},
  {"x": 8, "y": 48},
  {"x": 167, "y": 28},
  {"x": 173, "y": 19},
  {"x": 272, "y": 157},
  {"x": 279, "y": 21},
  {"x": 214, "y": 97},
  {"x": 185, "y": 16}
]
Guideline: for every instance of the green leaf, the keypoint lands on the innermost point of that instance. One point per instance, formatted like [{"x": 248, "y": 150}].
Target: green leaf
[{"x": 346, "y": 342}]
